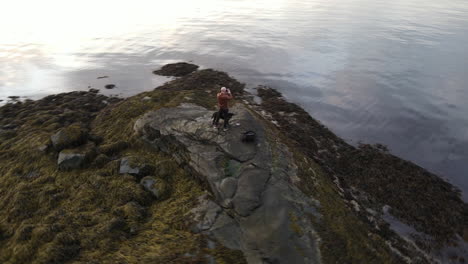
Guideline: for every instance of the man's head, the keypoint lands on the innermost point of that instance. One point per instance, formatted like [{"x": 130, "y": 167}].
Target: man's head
[{"x": 224, "y": 90}]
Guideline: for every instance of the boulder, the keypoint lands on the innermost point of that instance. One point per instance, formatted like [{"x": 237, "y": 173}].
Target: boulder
[
  {"x": 157, "y": 187},
  {"x": 72, "y": 135},
  {"x": 76, "y": 158},
  {"x": 70, "y": 161}
]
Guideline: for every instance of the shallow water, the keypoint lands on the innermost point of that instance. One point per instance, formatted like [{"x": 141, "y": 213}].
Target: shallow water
[{"x": 372, "y": 70}]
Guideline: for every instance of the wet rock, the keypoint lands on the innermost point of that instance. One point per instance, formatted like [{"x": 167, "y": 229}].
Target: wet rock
[
  {"x": 70, "y": 161},
  {"x": 72, "y": 135},
  {"x": 131, "y": 165},
  {"x": 109, "y": 86},
  {"x": 157, "y": 187},
  {"x": 176, "y": 69},
  {"x": 92, "y": 90}
]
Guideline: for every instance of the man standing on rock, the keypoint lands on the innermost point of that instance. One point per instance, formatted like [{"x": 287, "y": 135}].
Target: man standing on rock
[{"x": 223, "y": 97}]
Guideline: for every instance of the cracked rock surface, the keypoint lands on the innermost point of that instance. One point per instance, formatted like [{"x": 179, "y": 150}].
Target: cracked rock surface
[{"x": 255, "y": 205}]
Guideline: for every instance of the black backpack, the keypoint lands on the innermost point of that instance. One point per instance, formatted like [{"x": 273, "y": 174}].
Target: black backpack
[{"x": 248, "y": 136}]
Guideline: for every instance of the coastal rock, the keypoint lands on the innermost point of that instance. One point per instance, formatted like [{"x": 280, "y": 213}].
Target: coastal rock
[
  {"x": 109, "y": 86},
  {"x": 70, "y": 161},
  {"x": 263, "y": 199},
  {"x": 76, "y": 158},
  {"x": 72, "y": 135},
  {"x": 176, "y": 69}
]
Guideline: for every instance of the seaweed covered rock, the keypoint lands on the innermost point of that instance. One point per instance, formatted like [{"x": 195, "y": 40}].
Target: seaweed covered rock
[
  {"x": 207, "y": 80},
  {"x": 76, "y": 158},
  {"x": 176, "y": 69},
  {"x": 72, "y": 135}
]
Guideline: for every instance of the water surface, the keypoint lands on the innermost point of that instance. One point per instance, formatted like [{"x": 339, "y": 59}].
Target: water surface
[{"x": 393, "y": 72}]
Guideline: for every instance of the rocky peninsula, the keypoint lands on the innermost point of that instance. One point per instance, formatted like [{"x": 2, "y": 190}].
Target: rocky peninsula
[{"x": 86, "y": 178}]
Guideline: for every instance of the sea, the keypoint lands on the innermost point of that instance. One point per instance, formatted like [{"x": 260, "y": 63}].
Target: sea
[{"x": 373, "y": 71}]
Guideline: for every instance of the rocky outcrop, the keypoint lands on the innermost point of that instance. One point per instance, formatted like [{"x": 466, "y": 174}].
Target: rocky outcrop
[
  {"x": 176, "y": 69},
  {"x": 254, "y": 205}
]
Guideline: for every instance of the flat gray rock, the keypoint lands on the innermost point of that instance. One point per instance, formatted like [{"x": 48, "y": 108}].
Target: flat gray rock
[{"x": 255, "y": 203}]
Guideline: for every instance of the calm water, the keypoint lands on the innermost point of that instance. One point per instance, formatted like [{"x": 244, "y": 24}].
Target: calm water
[{"x": 394, "y": 72}]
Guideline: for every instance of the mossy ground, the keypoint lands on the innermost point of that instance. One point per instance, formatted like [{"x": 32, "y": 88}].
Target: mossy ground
[{"x": 95, "y": 214}]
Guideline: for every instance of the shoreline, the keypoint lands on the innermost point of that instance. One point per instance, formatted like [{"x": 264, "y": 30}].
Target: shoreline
[{"x": 371, "y": 182}]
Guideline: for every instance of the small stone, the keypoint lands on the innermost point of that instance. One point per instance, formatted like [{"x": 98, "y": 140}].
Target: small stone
[
  {"x": 70, "y": 161},
  {"x": 146, "y": 98},
  {"x": 110, "y": 86},
  {"x": 157, "y": 187},
  {"x": 129, "y": 165}
]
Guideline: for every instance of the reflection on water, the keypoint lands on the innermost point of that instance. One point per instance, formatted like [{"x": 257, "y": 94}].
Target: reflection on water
[{"x": 378, "y": 71}]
